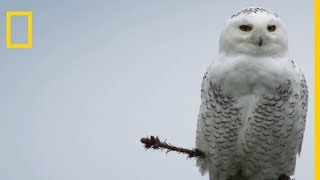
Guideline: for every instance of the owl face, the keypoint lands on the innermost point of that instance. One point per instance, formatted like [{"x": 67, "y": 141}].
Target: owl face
[{"x": 256, "y": 33}]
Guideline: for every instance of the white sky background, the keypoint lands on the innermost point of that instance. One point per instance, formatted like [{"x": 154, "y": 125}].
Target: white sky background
[{"x": 103, "y": 74}]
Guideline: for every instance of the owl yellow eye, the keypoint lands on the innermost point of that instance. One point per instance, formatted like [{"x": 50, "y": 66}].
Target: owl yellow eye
[
  {"x": 271, "y": 28},
  {"x": 245, "y": 28}
]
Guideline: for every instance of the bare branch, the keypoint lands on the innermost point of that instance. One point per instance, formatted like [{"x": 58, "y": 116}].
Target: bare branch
[{"x": 155, "y": 143}]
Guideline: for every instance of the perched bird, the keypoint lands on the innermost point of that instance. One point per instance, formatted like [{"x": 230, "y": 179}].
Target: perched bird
[{"x": 253, "y": 102}]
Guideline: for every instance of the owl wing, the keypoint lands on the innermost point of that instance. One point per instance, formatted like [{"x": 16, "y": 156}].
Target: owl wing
[
  {"x": 303, "y": 103},
  {"x": 217, "y": 130}
]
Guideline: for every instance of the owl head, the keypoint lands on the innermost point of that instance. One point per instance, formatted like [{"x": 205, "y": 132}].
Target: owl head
[{"x": 256, "y": 32}]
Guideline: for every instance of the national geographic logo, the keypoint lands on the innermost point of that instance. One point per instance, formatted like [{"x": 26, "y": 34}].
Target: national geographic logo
[{"x": 9, "y": 16}]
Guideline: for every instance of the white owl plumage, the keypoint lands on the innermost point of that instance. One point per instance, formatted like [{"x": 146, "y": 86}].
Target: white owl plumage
[{"x": 254, "y": 102}]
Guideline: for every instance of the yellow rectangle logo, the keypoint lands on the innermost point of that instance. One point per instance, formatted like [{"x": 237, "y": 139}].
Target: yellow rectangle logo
[{"x": 29, "y": 17}]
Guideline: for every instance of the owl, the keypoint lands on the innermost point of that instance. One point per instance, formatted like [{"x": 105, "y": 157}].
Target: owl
[{"x": 253, "y": 102}]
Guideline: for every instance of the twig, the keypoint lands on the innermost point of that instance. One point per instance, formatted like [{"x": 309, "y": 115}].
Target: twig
[{"x": 155, "y": 143}]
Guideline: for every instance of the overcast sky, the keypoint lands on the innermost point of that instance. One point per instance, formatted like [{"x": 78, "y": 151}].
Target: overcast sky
[{"x": 103, "y": 74}]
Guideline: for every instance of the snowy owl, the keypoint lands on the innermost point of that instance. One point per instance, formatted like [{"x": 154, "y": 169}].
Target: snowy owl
[{"x": 253, "y": 102}]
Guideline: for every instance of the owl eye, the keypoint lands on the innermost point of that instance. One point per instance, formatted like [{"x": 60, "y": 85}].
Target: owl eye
[
  {"x": 271, "y": 28},
  {"x": 245, "y": 28}
]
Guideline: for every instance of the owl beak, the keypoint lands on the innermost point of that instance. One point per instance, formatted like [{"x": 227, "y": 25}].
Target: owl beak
[{"x": 260, "y": 41}]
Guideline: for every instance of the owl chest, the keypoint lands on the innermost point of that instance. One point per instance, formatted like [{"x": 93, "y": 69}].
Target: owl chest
[{"x": 241, "y": 77}]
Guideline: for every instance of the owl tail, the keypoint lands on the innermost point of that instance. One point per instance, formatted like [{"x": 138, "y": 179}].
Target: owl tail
[{"x": 202, "y": 164}]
